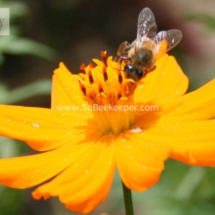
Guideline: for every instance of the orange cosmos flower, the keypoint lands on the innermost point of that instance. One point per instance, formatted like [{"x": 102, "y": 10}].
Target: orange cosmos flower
[{"x": 83, "y": 146}]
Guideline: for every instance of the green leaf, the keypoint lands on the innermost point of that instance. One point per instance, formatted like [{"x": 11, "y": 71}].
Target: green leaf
[
  {"x": 25, "y": 46},
  {"x": 17, "y": 9},
  {"x": 42, "y": 87}
]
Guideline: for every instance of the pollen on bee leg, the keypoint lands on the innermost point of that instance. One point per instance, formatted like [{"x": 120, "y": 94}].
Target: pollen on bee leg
[{"x": 104, "y": 58}]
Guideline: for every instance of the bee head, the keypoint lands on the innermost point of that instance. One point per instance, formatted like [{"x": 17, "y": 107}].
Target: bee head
[{"x": 133, "y": 73}]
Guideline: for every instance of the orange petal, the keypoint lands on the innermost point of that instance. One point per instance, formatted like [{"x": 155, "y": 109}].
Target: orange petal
[
  {"x": 140, "y": 162},
  {"x": 197, "y": 105},
  {"x": 167, "y": 81},
  {"x": 193, "y": 142},
  {"x": 66, "y": 90},
  {"x": 86, "y": 182},
  {"x": 28, "y": 171},
  {"x": 190, "y": 142},
  {"x": 42, "y": 129}
]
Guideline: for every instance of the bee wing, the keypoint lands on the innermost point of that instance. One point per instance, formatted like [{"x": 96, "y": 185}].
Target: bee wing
[
  {"x": 146, "y": 27},
  {"x": 165, "y": 41}
]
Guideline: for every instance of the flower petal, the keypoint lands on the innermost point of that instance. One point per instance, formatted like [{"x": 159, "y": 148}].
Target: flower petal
[
  {"x": 193, "y": 142},
  {"x": 86, "y": 182},
  {"x": 66, "y": 90},
  {"x": 167, "y": 81},
  {"x": 139, "y": 161},
  {"x": 197, "y": 105},
  {"x": 189, "y": 142},
  {"x": 28, "y": 171},
  {"x": 42, "y": 129}
]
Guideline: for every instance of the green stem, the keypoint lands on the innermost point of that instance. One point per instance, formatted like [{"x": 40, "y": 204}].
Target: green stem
[{"x": 128, "y": 200}]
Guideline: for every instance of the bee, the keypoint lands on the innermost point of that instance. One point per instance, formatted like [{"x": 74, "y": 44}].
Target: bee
[{"x": 140, "y": 56}]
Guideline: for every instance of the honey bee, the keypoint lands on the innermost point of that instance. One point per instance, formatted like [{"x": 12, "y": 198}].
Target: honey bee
[{"x": 149, "y": 45}]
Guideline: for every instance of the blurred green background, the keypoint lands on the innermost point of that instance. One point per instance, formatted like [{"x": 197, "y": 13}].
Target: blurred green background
[{"x": 43, "y": 33}]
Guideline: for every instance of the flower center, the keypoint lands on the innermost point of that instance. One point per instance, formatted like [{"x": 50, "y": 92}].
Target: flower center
[{"x": 109, "y": 94}]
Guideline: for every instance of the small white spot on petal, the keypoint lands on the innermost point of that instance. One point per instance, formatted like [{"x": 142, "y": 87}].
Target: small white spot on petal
[
  {"x": 69, "y": 133},
  {"x": 176, "y": 92},
  {"x": 136, "y": 130},
  {"x": 35, "y": 125}
]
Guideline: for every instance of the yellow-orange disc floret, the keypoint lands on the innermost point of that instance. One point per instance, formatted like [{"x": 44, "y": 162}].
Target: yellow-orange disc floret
[{"x": 108, "y": 91}]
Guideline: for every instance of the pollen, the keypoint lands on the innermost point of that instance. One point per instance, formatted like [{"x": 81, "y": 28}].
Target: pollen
[{"x": 109, "y": 94}]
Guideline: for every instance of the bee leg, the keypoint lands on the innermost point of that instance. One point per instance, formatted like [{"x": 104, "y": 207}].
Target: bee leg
[
  {"x": 153, "y": 69},
  {"x": 123, "y": 58},
  {"x": 122, "y": 50}
]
